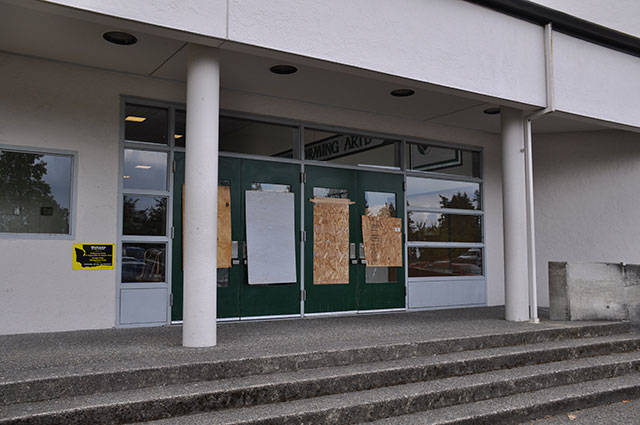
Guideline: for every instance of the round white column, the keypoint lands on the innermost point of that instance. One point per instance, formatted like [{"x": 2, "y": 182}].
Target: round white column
[
  {"x": 514, "y": 216},
  {"x": 201, "y": 197}
]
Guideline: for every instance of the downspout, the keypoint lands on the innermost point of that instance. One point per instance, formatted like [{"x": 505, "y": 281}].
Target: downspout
[{"x": 531, "y": 231}]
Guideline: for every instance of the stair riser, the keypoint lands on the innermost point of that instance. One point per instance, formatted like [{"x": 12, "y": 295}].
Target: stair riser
[
  {"x": 158, "y": 409},
  {"x": 46, "y": 389},
  {"x": 517, "y": 416}
]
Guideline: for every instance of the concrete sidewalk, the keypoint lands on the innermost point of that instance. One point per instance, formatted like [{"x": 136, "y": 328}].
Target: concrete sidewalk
[{"x": 50, "y": 354}]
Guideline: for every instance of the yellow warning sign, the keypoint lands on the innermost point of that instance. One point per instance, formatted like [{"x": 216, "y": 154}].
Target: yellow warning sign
[{"x": 93, "y": 256}]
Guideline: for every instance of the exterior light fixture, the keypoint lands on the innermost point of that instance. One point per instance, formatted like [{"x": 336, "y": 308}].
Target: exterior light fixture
[
  {"x": 402, "y": 92},
  {"x": 119, "y": 37},
  {"x": 133, "y": 118},
  {"x": 492, "y": 111},
  {"x": 283, "y": 69}
]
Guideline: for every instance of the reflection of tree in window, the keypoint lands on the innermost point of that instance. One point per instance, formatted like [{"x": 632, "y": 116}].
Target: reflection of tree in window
[
  {"x": 449, "y": 227},
  {"x": 144, "y": 221},
  {"x": 27, "y": 204}
]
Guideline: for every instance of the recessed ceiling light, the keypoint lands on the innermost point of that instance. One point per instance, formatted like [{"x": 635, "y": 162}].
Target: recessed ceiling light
[
  {"x": 178, "y": 136},
  {"x": 492, "y": 111},
  {"x": 133, "y": 118},
  {"x": 119, "y": 37},
  {"x": 402, "y": 92},
  {"x": 144, "y": 167},
  {"x": 283, "y": 69},
  {"x": 126, "y": 177}
]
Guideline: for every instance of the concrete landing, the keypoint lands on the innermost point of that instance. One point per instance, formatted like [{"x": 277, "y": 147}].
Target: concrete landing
[{"x": 63, "y": 353}]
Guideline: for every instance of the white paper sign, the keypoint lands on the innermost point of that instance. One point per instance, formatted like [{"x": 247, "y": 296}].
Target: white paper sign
[{"x": 270, "y": 220}]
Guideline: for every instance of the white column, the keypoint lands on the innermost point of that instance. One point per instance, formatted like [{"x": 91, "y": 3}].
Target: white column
[
  {"x": 514, "y": 216},
  {"x": 201, "y": 197}
]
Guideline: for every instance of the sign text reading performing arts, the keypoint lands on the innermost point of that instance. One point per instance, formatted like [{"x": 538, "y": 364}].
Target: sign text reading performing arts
[{"x": 341, "y": 145}]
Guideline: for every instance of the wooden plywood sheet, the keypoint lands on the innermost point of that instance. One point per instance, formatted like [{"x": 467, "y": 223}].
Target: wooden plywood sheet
[
  {"x": 224, "y": 227},
  {"x": 382, "y": 237},
  {"x": 330, "y": 241}
]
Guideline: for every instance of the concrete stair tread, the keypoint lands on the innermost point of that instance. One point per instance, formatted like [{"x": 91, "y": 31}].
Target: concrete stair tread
[
  {"x": 131, "y": 366},
  {"x": 300, "y": 411},
  {"x": 525, "y": 406},
  {"x": 171, "y": 398},
  {"x": 577, "y": 345}
]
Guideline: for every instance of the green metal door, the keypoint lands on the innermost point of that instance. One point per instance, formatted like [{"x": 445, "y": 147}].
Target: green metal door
[
  {"x": 380, "y": 287},
  {"x": 282, "y": 298},
  {"x": 228, "y": 280},
  {"x": 369, "y": 288},
  {"x": 329, "y": 183}
]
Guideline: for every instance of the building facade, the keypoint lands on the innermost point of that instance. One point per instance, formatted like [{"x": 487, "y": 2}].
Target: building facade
[{"x": 142, "y": 133}]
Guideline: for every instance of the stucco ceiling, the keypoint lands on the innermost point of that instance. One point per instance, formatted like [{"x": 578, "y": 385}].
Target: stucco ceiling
[{"x": 33, "y": 32}]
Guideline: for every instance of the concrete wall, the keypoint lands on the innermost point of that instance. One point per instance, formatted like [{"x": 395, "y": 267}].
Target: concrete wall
[
  {"x": 620, "y": 15},
  {"x": 586, "y": 199},
  {"x": 49, "y": 104}
]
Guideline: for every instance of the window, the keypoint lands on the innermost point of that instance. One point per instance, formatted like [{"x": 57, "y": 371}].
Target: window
[
  {"x": 438, "y": 159},
  {"x": 35, "y": 192},
  {"x": 444, "y": 228}
]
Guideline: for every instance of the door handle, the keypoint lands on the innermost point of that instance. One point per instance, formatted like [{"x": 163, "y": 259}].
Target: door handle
[
  {"x": 361, "y": 254},
  {"x": 234, "y": 253},
  {"x": 352, "y": 253},
  {"x": 244, "y": 251}
]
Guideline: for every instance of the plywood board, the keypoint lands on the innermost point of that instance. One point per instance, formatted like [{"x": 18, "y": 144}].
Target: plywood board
[
  {"x": 224, "y": 227},
  {"x": 270, "y": 222},
  {"x": 330, "y": 241},
  {"x": 382, "y": 237}
]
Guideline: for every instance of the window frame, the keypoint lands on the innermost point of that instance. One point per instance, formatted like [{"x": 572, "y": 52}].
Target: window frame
[{"x": 73, "y": 185}]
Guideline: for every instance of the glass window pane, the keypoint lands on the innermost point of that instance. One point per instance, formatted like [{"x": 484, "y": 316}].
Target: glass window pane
[
  {"x": 180, "y": 133},
  {"x": 270, "y": 187},
  {"x": 144, "y": 215},
  {"x": 434, "y": 193},
  {"x": 257, "y": 138},
  {"x": 432, "y": 262},
  {"x": 434, "y": 227},
  {"x": 349, "y": 149},
  {"x": 443, "y": 160},
  {"x": 145, "y": 170},
  {"x": 329, "y": 192},
  {"x": 35, "y": 192},
  {"x": 143, "y": 262},
  {"x": 146, "y": 124},
  {"x": 380, "y": 204}
]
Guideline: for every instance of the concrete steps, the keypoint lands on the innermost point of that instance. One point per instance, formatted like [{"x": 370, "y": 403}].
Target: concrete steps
[{"x": 341, "y": 386}]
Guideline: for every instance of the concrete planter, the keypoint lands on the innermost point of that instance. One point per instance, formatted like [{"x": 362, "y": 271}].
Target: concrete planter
[{"x": 594, "y": 291}]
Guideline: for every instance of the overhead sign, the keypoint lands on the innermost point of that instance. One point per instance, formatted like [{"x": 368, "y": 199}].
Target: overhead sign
[
  {"x": 93, "y": 256},
  {"x": 341, "y": 145}
]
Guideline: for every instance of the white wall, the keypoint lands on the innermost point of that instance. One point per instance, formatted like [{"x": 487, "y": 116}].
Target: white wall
[
  {"x": 586, "y": 199},
  {"x": 62, "y": 106},
  {"x": 47, "y": 104},
  {"x": 620, "y": 15},
  {"x": 594, "y": 81}
]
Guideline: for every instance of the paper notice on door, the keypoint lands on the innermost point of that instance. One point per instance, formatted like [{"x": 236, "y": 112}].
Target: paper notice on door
[
  {"x": 330, "y": 241},
  {"x": 224, "y": 227},
  {"x": 270, "y": 224},
  {"x": 382, "y": 237}
]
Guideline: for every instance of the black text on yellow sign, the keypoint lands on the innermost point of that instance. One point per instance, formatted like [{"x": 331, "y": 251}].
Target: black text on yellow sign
[{"x": 93, "y": 256}]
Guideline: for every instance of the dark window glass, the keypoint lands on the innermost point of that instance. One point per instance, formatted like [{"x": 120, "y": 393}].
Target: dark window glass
[
  {"x": 35, "y": 192},
  {"x": 326, "y": 192},
  {"x": 434, "y": 227},
  {"x": 143, "y": 262},
  {"x": 434, "y": 262},
  {"x": 145, "y": 170},
  {"x": 144, "y": 215},
  {"x": 434, "y": 193},
  {"x": 270, "y": 187},
  {"x": 349, "y": 149},
  {"x": 443, "y": 160},
  {"x": 257, "y": 138},
  {"x": 146, "y": 124},
  {"x": 180, "y": 133}
]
